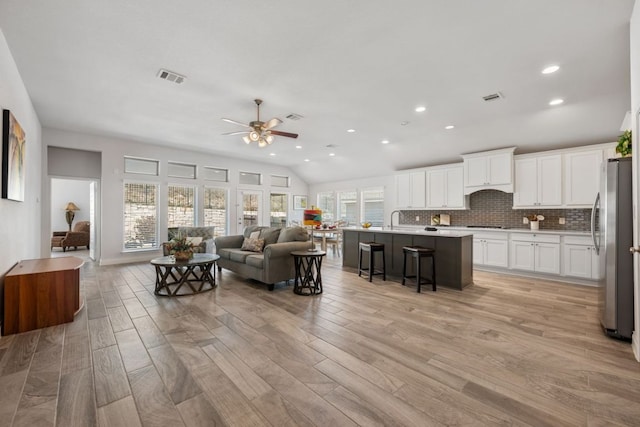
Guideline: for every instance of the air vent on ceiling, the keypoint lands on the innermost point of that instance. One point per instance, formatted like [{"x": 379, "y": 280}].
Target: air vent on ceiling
[
  {"x": 493, "y": 97},
  {"x": 294, "y": 116},
  {"x": 171, "y": 76}
]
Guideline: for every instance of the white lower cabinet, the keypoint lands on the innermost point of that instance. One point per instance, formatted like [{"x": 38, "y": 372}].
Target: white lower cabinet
[
  {"x": 580, "y": 258},
  {"x": 535, "y": 252},
  {"x": 491, "y": 249}
]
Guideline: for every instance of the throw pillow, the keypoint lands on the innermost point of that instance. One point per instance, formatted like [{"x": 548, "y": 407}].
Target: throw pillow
[
  {"x": 253, "y": 245},
  {"x": 270, "y": 235},
  {"x": 195, "y": 241},
  {"x": 254, "y": 235}
]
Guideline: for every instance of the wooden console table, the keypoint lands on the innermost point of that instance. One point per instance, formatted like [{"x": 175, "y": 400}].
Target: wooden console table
[{"x": 40, "y": 293}]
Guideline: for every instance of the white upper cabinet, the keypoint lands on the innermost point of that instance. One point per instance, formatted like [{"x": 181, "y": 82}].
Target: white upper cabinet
[
  {"x": 489, "y": 170},
  {"x": 445, "y": 189},
  {"x": 411, "y": 190},
  {"x": 582, "y": 177},
  {"x": 538, "y": 182}
]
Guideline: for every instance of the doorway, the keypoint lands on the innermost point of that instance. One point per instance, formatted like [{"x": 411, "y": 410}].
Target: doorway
[
  {"x": 249, "y": 210},
  {"x": 83, "y": 195}
]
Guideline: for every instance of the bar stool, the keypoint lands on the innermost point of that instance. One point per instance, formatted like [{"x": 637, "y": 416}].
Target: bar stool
[
  {"x": 372, "y": 248},
  {"x": 417, "y": 253}
]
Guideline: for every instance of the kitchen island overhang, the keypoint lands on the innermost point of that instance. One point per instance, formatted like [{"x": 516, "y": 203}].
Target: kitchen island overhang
[{"x": 454, "y": 252}]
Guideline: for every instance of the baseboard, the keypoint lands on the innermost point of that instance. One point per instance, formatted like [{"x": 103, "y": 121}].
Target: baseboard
[
  {"x": 128, "y": 260},
  {"x": 635, "y": 344}
]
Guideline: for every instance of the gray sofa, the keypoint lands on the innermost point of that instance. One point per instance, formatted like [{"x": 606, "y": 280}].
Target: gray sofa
[{"x": 274, "y": 264}]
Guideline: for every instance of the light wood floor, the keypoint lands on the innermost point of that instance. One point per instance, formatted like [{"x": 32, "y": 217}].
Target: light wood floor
[{"x": 505, "y": 351}]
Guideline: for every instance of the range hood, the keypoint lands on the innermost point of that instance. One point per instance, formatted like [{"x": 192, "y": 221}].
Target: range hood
[{"x": 489, "y": 170}]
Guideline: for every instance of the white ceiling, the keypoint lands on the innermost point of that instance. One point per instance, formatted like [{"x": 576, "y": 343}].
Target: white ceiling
[{"x": 91, "y": 66}]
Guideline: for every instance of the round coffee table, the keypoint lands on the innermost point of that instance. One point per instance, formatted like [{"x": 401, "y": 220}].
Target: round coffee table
[
  {"x": 198, "y": 274},
  {"x": 308, "y": 276}
]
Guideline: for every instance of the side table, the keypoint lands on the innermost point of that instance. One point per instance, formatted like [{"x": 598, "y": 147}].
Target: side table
[{"x": 308, "y": 279}]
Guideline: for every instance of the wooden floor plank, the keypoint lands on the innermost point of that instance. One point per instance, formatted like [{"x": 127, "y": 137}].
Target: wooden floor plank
[{"x": 505, "y": 351}]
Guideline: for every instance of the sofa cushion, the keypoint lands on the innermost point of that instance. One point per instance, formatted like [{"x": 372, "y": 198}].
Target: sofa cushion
[
  {"x": 255, "y": 260},
  {"x": 270, "y": 235},
  {"x": 293, "y": 234},
  {"x": 253, "y": 245},
  {"x": 225, "y": 253},
  {"x": 238, "y": 255},
  {"x": 250, "y": 229}
]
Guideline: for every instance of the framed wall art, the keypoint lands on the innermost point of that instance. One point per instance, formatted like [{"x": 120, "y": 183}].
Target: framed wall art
[
  {"x": 299, "y": 202},
  {"x": 13, "y": 158}
]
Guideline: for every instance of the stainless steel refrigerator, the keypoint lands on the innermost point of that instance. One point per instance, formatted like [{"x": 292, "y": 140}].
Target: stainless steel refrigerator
[{"x": 612, "y": 231}]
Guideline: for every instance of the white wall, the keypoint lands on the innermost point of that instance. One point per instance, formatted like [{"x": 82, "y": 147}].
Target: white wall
[
  {"x": 20, "y": 222},
  {"x": 113, "y": 151},
  {"x": 64, "y": 191},
  {"x": 635, "y": 110}
]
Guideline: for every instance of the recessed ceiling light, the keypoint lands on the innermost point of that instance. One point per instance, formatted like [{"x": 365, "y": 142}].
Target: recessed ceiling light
[
  {"x": 557, "y": 101},
  {"x": 404, "y": 123},
  {"x": 351, "y": 130},
  {"x": 332, "y": 154},
  {"x": 550, "y": 69},
  {"x": 272, "y": 154},
  {"x": 449, "y": 127},
  {"x": 299, "y": 147},
  {"x": 385, "y": 141},
  {"x": 421, "y": 109},
  {"x": 306, "y": 160}
]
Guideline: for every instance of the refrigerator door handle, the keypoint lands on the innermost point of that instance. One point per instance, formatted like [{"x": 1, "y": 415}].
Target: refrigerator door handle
[{"x": 593, "y": 224}]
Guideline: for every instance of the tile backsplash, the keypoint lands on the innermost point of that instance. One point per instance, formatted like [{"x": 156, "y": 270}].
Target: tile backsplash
[{"x": 495, "y": 208}]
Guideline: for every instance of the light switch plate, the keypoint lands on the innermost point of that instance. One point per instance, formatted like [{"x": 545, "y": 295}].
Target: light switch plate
[
  {"x": 417, "y": 218},
  {"x": 561, "y": 221},
  {"x": 525, "y": 220}
]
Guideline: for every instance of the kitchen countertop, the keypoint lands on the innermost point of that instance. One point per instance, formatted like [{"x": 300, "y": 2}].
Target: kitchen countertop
[
  {"x": 467, "y": 230},
  {"x": 413, "y": 231}
]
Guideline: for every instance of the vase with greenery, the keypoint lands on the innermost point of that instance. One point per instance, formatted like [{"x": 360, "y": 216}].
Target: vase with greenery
[
  {"x": 181, "y": 248},
  {"x": 624, "y": 144}
]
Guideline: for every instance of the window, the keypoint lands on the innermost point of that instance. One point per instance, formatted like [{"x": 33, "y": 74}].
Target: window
[
  {"x": 215, "y": 210},
  {"x": 373, "y": 206},
  {"x": 140, "y": 216},
  {"x": 347, "y": 206},
  {"x": 182, "y": 207},
  {"x": 141, "y": 166},
  {"x": 250, "y": 178},
  {"x": 327, "y": 203},
  {"x": 278, "y": 213},
  {"x": 181, "y": 170},
  {"x": 279, "y": 181},
  {"x": 215, "y": 174}
]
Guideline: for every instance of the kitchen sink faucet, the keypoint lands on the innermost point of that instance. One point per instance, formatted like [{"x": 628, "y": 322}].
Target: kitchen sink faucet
[{"x": 391, "y": 219}]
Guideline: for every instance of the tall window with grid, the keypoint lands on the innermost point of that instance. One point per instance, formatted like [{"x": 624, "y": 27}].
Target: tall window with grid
[
  {"x": 215, "y": 210},
  {"x": 327, "y": 202},
  {"x": 181, "y": 211},
  {"x": 372, "y": 206},
  {"x": 140, "y": 216},
  {"x": 348, "y": 206}
]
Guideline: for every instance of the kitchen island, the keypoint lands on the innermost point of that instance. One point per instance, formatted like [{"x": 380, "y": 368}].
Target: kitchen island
[{"x": 454, "y": 252}]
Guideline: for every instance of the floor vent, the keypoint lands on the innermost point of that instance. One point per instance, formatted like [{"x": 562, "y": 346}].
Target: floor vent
[
  {"x": 493, "y": 97},
  {"x": 171, "y": 76}
]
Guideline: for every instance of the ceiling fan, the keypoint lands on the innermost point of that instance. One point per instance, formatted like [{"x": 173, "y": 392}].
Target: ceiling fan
[{"x": 260, "y": 132}]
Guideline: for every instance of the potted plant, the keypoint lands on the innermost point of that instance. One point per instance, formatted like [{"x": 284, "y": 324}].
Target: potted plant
[
  {"x": 181, "y": 248},
  {"x": 624, "y": 144},
  {"x": 533, "y": 221}
]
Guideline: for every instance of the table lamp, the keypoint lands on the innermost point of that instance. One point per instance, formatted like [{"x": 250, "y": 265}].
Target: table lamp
[
  {"x": 70, "y": 213},
  {"x": 312, "y": 217}
]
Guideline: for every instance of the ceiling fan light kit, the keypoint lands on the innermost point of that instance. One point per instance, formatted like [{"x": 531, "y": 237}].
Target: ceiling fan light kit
[{"x": 261, "y": 132}]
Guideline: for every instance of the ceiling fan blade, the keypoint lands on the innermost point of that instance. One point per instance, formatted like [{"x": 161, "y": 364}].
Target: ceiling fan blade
[
  {"x": 287, "y": 134},
  {"x": 242, "y": 132},
  {"x": 272, "y": 123},
  {"x": 236, "y": 123}
]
